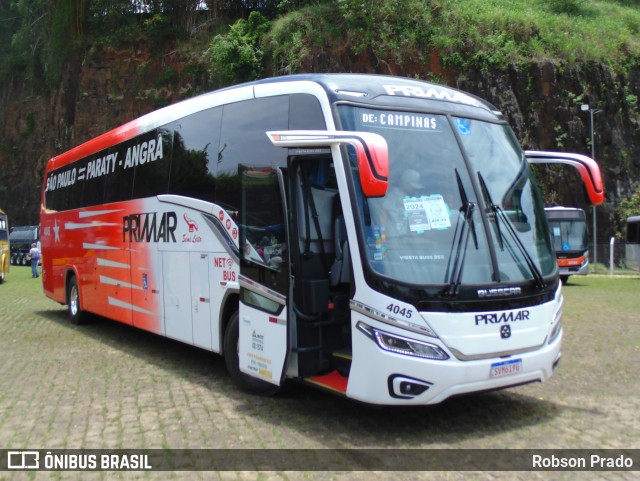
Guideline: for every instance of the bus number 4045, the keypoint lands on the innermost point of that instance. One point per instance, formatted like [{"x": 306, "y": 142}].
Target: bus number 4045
[{"x": 400, "y": 311}]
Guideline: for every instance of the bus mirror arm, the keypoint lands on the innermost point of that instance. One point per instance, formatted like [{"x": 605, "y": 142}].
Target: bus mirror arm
[
  {"x": 586, "y": 166},
  {"x": 371, "y": 152}
]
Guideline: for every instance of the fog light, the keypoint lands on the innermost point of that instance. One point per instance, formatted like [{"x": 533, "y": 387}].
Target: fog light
[
  {"x": 406, "y": 387},
  {"x": 412, "y": 389}
]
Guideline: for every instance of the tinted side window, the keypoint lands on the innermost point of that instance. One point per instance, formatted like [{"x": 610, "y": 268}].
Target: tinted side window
[
  {"x": 305, "y": 113},
  {"x": 118, "y": 185},
  {"x": 108, "y": 176},
  {"x": 243, "y": 141},
  {"x": 633, "y": 232},
  {"x": 150, "y": 156},
  {"x": 195, "y": 154},
  {"x": 56, "y": 196},
  {"x": 81, "y": 183},
  {"x": 93, "y": 178},
  {"x": 3, "y": 228}
]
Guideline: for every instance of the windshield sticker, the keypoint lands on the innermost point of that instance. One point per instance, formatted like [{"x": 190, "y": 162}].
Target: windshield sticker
[
  {"x": 464, "y": 126},
  {"x": 395, "y": 120},
  {"x": 426, "y": 213}
]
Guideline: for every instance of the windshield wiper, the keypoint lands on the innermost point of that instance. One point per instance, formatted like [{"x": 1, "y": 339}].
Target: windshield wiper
[
  {"x": 460, "y": 246},
  {"x": 498, "y": 215}
]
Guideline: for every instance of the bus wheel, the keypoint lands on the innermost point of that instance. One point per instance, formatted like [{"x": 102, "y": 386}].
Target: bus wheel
[
  {"x": 76, "y": 315},
  {"x": 1, "y": 274},
  {"x": 244, "y": 381},
  {"x": 564, "y": 279}
]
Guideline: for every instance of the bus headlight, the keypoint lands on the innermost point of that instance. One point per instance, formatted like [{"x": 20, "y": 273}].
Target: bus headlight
[{"x": 402, "y": 345}]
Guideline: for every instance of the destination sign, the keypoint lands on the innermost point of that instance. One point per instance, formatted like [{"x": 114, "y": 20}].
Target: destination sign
[
  {"x": 131, "y": 155},
  {"x": 400, "y": 120}
]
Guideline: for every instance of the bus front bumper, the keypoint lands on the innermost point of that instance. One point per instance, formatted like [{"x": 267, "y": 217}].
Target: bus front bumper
[{"x": 387, "y": 378}]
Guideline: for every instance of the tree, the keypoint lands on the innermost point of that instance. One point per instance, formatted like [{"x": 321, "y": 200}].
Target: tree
[
  {"x": 236, "y": 56},
  {"x": 628, "y": 207},
  {"x": 38, "y": 36}
]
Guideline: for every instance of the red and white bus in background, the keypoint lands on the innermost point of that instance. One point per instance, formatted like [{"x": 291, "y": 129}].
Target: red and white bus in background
[
  {"x": 570, "y": 238},
  {"x": 267, "y": 222}
]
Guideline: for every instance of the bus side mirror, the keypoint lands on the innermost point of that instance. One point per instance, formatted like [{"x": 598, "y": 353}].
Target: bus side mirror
[
  {"x": 586, "y": 166},
  {"x": 371, "y": 153}
]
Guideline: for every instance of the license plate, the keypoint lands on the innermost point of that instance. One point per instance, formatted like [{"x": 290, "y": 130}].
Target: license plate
[{"x": 506, "y": 368}]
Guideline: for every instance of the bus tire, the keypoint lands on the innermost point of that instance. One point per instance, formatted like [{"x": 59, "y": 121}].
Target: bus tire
[
  {"x": 243, "y": 381},
  {"x": 76, "y": 315},
  {"x": 564, "y": 279}
]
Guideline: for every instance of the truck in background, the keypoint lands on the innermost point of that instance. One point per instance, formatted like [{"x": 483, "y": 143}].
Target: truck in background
[{"x": 21, "y": 238}]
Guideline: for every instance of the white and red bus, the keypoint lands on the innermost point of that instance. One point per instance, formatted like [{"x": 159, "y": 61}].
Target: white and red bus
[
  {"x": 570, "y": 238},
  {"x": 265, "y": 222}
]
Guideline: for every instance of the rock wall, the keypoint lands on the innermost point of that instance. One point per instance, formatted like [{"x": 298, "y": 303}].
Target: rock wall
[{"x": 97, "y": 93}]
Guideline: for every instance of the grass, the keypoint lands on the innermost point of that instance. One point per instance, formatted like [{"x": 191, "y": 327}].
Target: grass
[
  {"x": 488, "y": 34},
  {"x": 599, "y": 295},
  {"x": 601, "y": 334},
  {"x": 503, "y": 30}
]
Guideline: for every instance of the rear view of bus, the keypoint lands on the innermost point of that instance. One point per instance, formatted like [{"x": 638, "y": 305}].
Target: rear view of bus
[{"x": 569, "y": 235}]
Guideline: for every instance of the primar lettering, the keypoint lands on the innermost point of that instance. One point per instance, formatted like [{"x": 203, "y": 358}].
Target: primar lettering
[
  {"x": 431, "y": 93},
  {"x": 146, "y": 227},
  {"x": 499, "y": 318}
]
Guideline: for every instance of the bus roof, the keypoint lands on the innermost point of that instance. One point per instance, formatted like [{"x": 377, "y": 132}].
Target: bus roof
[{"x": 362, "y": 88}]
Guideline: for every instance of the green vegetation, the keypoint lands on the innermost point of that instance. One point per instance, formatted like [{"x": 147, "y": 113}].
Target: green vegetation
[
  {"x": 488, "y": 34},
  {"x": 237, "y": 56},
  {"x": 593, "y": 297},
  {"x": 628, "y": 207},
  {"x": 491, "y": 33},
  {"x": 38, "y": 36}
]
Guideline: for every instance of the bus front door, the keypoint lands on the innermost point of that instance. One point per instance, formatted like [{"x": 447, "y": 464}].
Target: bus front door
[{"x": 264, "y": 275}]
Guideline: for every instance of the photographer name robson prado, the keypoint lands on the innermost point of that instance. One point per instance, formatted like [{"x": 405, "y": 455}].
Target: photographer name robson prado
[{"x": 593, "y": 461}]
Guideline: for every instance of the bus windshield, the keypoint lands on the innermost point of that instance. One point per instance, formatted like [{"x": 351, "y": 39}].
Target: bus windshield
[
  {"x": 568, "y": 230},
  {"x": 460, "y": 208}
]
